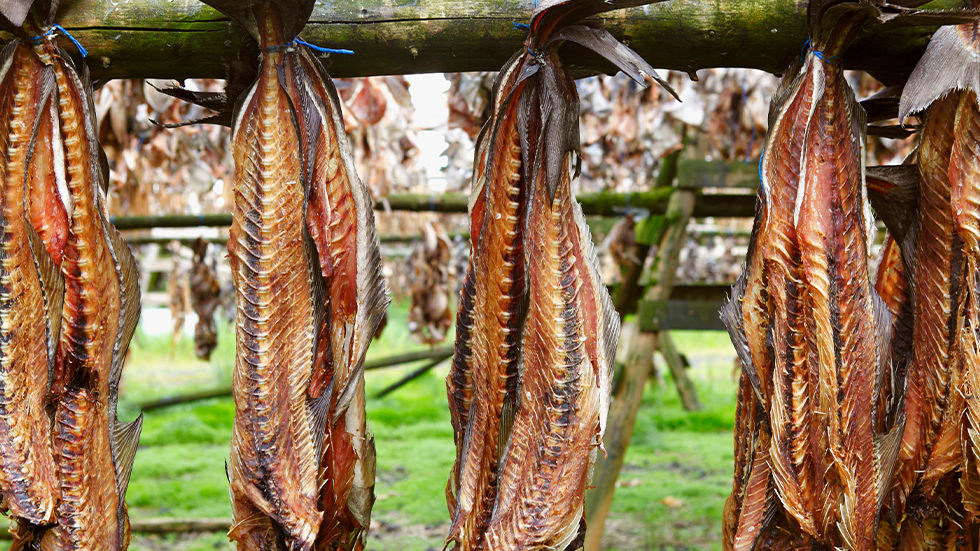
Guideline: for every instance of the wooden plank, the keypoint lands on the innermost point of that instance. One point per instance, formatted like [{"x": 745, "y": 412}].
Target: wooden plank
[
  {"x": 662, "y": 315},
  {"x": 184, "y": 39},
  {"x": 699, "y": 173}
]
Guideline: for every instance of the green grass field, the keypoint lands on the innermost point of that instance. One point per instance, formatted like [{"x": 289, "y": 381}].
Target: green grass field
[{"x": 672, "y": 487}]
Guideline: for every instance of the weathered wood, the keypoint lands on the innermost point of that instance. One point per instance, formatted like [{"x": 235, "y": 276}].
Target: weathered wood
[
  {"x": 183, "y": 38},
  {"x": 678, "y": 369},
  {"x": 697, "y": 173},
  {"x": 436, "y": 355},
  {"x": 165, "y": 526},
  {"x": 415, "y": 374},
  {"x": 629, "y": 290},
  {"x": 593, "y": 204},
  {"x": 662, "y": 315},
  {"x": 629, "y": 393}
]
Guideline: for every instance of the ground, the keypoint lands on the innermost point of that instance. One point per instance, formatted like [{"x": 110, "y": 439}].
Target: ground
[{"x": 672, "y": 488}]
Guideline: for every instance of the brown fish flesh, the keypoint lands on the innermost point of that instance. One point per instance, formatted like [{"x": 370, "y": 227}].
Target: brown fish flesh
[
  {"x": 31, "y": 292},
  {"x": 536, "y": 332},
  {"x": 93, "y": 452},
  {"x": 273, "y": 465}
]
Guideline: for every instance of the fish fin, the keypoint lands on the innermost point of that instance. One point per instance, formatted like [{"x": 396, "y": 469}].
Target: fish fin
[
  {"x": 15, "y": 11},
  {"x": 318, "y": 411},
  {"x": 53, "y": 287},
  {"x": 595, "y": 37},
  {"x": 883, "y": 105},
  {"x": 125, "y": 439},
  {"x": 948, "y": 64},
  {"x": 731, "y": 316},
  {"x": 893, "y": 193},
  {"x": 559, "y": 108},
  {"x": 130, "y": 305},
  {"x": 886, "y": 457}
]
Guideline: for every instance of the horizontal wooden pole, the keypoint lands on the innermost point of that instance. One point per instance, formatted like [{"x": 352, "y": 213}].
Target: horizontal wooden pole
[
  {"x": 183, "y": 38},
  {"x": 436, "y": 355},
  {"x": 661, "y": 315},
  {"x": 168, "y": 525},
  {"x": 593, "y": 204}
]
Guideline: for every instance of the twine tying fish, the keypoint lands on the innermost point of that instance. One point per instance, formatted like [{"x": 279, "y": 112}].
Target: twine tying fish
[
  {"x": 64, "y": 31},
  {"x": 292, "y": 44}
]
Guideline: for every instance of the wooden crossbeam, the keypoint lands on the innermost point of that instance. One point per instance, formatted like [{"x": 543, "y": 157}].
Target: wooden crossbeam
[{"x": 185, "y": 39}]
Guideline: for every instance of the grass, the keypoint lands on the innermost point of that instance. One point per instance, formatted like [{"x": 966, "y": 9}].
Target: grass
[{"x": 676, "y": 475}]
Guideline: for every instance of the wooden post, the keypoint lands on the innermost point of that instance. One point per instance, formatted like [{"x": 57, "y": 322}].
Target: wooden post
[
  {"x": 629, "y": 392},
  {"x": 678, "y": 369}
]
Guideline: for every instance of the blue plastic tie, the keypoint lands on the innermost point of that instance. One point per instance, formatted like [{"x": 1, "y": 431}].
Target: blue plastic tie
[
  {"x": 762, "y": 185},
  {"x": 324, "y": 50},
  {"x": 64, "y": 31},
  {"x": 830, "y": 59},
  {"x": 432, "y": 202},
  {"x": 806, "y": 46},
  {"x": 522, "y": 26}
]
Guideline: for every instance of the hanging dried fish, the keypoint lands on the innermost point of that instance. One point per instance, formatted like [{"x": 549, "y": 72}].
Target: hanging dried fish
[
  {"x": 30, "y": 302},
  {"x": 307, "y": 265},
  {"x": 813, "y": 334},
  {"x": 205, "y": 298},
  {"x": 941, "y": 456},
  {"x": 536, "y": 330},
  {"x": 430, "y": 315},
  {"x": 93, "y": 452}
]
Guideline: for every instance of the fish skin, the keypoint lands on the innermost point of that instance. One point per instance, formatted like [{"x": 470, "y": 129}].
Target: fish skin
[
  {"x": 92, "y": 512},
  {"x": 28, "y": 478},
  {"x": 340, "y": 221},
  {"x": 273, "y": 465},
  {"x": 964, "y": 177},
  {"x": 48, "y": 185},
  {"x": 927, "y": 393}
]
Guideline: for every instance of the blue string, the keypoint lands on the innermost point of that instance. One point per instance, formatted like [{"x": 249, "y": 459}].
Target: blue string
[
  {"x": 522, "y": 26},
  {"x": 324, "y": 50},
  {"x": 64, "y": 31},
  {"x": 432, "y": 202},
  {"x": 762, "y": 185},
  {"x": 627, "y": 201},
  {"x": 831, "y": 59}
]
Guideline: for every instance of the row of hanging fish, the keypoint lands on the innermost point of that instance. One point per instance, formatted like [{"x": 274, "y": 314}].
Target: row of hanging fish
[
  {"x": 853, "y": 426},
  {"x": 306, "y": 265},
  {"x": 536, "y": 331},
  {"x": 69, "y": 303}
]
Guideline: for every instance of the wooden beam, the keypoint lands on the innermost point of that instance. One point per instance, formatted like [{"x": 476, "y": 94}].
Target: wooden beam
[
  {"x": 593, "y": 204},
  {"x": 183, "y": 38},
  {"x": 662, "y": 315},
  {"x": 164, "y": 525}
]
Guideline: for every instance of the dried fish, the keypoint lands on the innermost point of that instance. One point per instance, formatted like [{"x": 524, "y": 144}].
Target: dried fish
[
  {"x": 93, "y": 452},
  {"x": 536, "y": 330},
  {"x": 205, "y": 293},
  {"x": 31, "y": 296},
  {"x": 307, "y": 265},
  {"x": 430, "y": 315},
  {"x": 815, "y": 337}
]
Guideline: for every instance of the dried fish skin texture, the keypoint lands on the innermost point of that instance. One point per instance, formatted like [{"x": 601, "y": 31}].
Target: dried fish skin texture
[
  {"x": 555, "y": 435},
  {"x": 99, "y": 314},
  {"x": 273, "y": 464},
  {"x": 48, "y": 185},
  {"x": 28, "y": 477},
  {"x": 928, "y": 387},
  {"x": 497, "y": 302}
]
